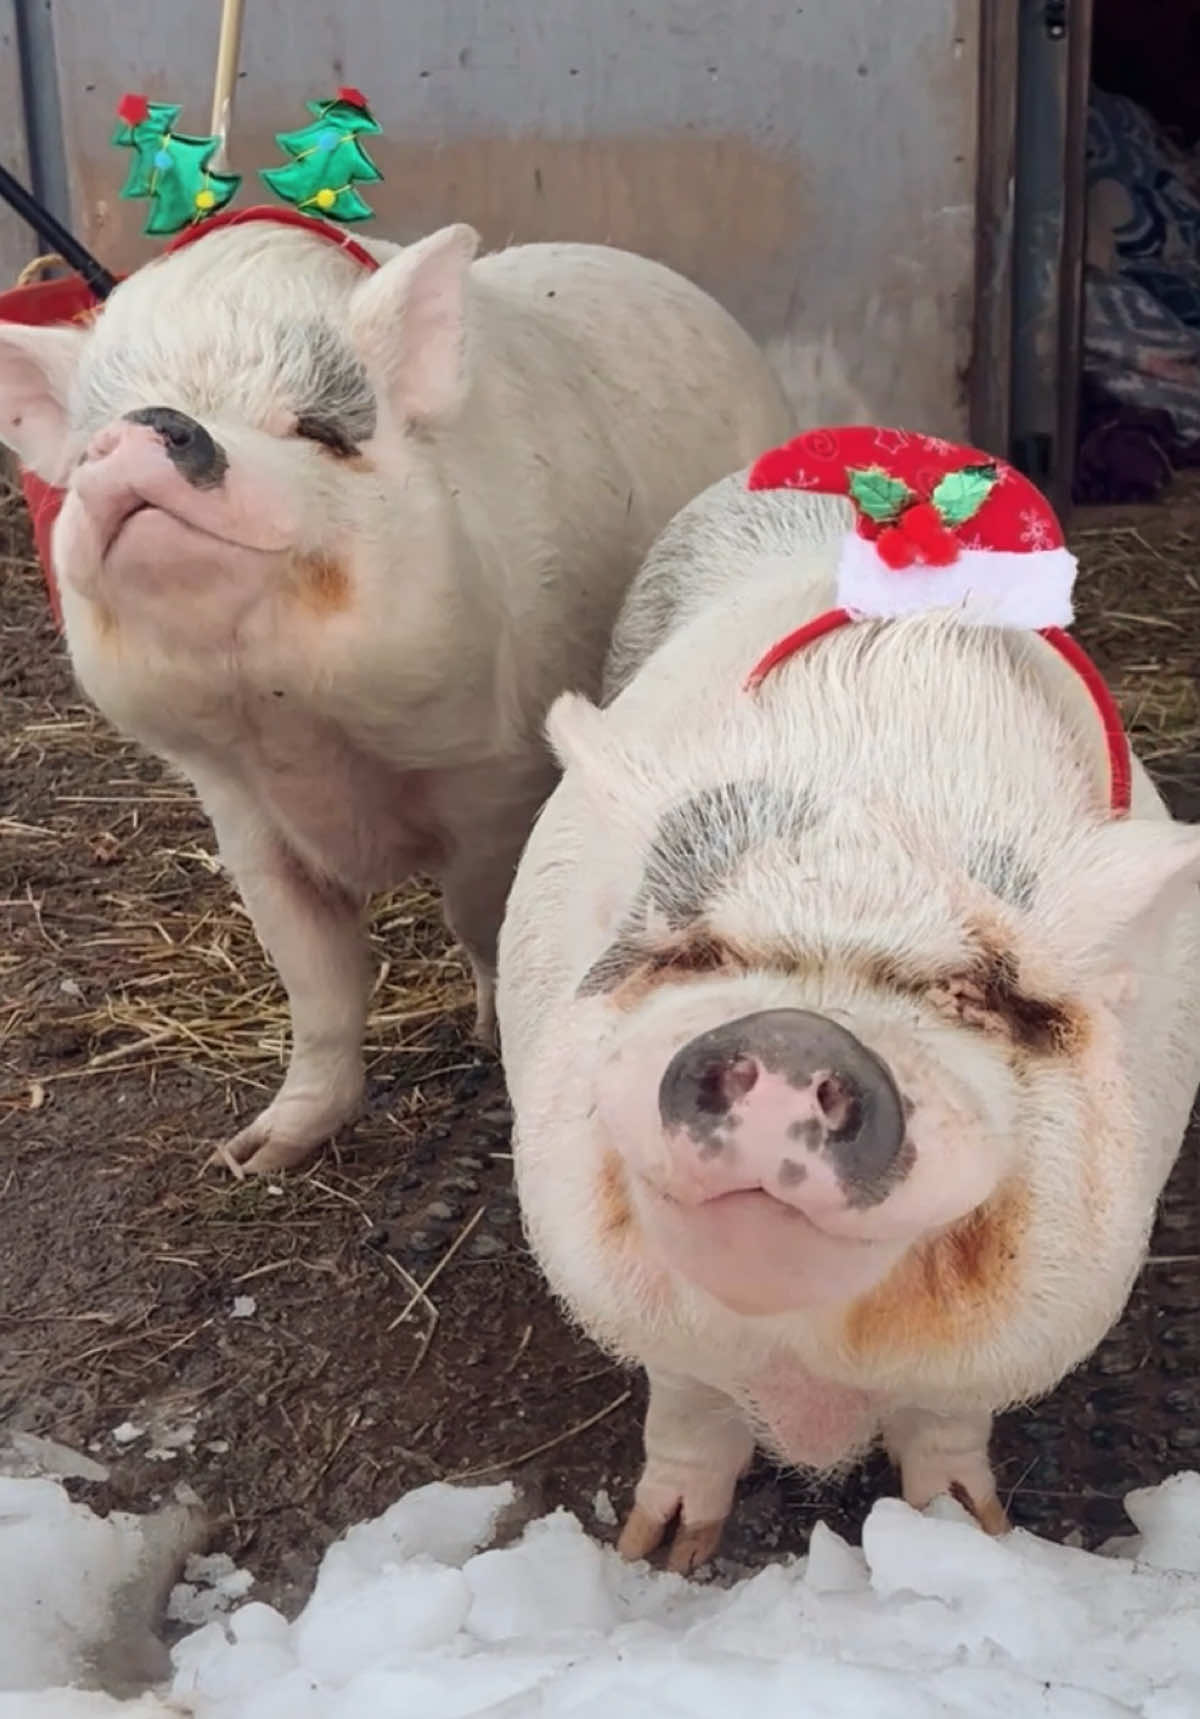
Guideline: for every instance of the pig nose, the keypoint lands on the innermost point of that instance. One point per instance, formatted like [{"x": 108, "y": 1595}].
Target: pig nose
[
  {"x": 788, "y": 1063},
  {"x": 188, "y": 444}
]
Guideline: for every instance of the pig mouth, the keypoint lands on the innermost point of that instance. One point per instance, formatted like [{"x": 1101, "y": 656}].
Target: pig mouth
[
  {"x": 757, "y": 1255},
  {"x": 755, "y": 1204},
  {"x": 139, "y": 506}
]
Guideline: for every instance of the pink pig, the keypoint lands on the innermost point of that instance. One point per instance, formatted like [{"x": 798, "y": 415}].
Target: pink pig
[
  {"x": 850, "y": 1038},
  {"x": 334, "y": 538}
]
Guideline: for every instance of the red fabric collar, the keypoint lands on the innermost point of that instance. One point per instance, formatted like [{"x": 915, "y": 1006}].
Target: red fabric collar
[
  {"x": 282, "y": 218},
  {"x": 1120, "y": 771}
]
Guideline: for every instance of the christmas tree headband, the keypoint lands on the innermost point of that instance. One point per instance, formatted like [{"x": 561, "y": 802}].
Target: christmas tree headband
[
  {"x": 940, "y": 527},
  {"x": 179, "y": 175}
]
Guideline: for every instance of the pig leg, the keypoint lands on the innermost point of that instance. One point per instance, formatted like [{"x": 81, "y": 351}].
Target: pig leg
[
  {"x": 941, "y": 1454},
  {"x": 489, "y": 812},
  {"x": 474, "y": 923},
  {"x": 697, "y": 1448},
  {"x": 313, "y": 932}
]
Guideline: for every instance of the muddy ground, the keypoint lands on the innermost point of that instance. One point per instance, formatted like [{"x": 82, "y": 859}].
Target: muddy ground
[{"x": 265, "y": 1344}]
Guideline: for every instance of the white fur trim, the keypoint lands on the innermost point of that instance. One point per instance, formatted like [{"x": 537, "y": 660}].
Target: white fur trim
[{"x": 994, "y": 588}]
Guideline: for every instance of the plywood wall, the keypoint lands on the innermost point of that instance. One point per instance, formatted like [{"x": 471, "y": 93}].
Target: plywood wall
[{"x": 813, "y": 165}]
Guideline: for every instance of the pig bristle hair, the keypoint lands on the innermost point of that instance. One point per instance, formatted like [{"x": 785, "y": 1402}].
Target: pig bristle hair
[
  {"x": 734, "y": 551},
  {"x": 208, "y": 330}
]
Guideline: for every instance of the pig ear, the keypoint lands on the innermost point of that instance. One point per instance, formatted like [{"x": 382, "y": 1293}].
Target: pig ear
[
  {"x": 582, "y": 740},
  {"x": 1138, "y": 876},
  {"x": 37, "y": 367},
  {"x": 408, "y": 325},
  {"x": 575, "y": 730}
]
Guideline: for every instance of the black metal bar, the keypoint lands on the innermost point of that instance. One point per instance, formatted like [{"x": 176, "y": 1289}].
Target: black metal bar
[{"x": 55, "y": 234}]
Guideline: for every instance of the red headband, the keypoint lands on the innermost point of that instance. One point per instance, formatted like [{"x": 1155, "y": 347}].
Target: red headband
[
  {"x": 281, "y": 218},
  {"x": 1120, "y": 771}
]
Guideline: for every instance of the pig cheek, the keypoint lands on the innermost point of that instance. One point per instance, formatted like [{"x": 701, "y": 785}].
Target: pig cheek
[
  {"x": 948, "y": 1292},
  {"x": 271, "y": 501},
  {"x": 75, "y": 548},
  {"x": 956, "y": 1164},
  {"x": 625, "y": 1098}
]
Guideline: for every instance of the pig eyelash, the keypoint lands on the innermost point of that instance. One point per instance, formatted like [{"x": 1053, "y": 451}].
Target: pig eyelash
[{"x": 328, "y": 435}]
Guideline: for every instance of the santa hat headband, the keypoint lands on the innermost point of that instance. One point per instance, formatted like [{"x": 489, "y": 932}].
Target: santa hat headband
[{"x": 940, "y": 526}]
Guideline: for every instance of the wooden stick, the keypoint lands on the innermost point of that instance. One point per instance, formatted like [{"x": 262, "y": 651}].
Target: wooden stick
[{"x": 225, "y": 83}]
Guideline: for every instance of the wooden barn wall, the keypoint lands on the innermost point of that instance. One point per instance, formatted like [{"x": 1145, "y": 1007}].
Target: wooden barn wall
[
  {"x": 17, "y": 244},
  {"x": 813, "y": 165}
]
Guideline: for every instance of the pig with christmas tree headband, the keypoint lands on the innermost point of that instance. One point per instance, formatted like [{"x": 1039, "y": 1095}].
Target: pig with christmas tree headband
[
  {"x": 339, "y": 518},
  {"x": 175, "y": 171}
]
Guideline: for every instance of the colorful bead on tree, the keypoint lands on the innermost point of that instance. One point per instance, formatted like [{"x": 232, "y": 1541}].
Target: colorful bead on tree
[
  {"x": 327, "y": 159},
  {"x": 170, "y": 169}
]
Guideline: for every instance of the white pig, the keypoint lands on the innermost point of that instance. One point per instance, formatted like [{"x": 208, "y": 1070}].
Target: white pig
[
  {"x": 885, "y": 887},
  {"x": 333, "y": 539}
]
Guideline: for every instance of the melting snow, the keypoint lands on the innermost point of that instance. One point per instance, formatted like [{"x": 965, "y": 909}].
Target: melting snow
[{"x": 411, "y": 1620}]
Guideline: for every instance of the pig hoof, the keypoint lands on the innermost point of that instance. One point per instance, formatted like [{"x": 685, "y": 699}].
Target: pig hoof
[
  {"x": 256, "y": 1152},
  {"x": 694, "y": 1543},
  {"x": 641, "y": 1535},
  {"x": 485, "y": 1023},
  {"x": 266, "y": 1145},
  {"x": 988, "y": 1512}
]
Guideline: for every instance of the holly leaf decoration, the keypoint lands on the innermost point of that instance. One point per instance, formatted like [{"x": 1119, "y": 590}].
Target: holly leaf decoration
[
  {"x": 960, "y": 495},
  {"x": 879, "y": 496}
]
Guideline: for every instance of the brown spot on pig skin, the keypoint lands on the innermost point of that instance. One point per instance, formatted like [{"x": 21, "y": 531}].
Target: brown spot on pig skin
[
  {"x": 988, "y": 996},
  {"x": 324, "y": 585},
  {"x": 105, "y": 622},
  {"x": 949, "y": 1289},
  {"x": 613, "y": 1210},
  {"x": 628, "y": 971}
]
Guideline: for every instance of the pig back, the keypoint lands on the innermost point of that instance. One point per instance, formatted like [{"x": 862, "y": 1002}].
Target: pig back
[{"x": 608, "y": 392}]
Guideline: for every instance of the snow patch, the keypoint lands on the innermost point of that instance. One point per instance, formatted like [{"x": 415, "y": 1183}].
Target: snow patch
[
  {"x": 414, "y": 1617},
  {"x": 210, "y": 1585}
]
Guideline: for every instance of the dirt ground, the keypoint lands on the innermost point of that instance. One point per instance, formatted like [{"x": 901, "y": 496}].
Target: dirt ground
[{"x": 272, "y": 1342}]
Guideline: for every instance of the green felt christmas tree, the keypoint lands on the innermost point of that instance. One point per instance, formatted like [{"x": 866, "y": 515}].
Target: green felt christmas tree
[
  {"x": 327, "y": 159},
  {"x": 170, "y": 169}
]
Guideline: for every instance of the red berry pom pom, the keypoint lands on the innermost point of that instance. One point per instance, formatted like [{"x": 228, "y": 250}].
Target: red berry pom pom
[
  {"x": 133, "y": 109},
  {"x": 922, "y": 525},
  {"x": 895, "y": 549}
]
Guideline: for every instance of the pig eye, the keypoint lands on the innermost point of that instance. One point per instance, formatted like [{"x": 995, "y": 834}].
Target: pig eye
[{"x": 327, "y": 434}]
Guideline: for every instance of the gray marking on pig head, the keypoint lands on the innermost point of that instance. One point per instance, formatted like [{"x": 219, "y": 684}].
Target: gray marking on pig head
[
  {"x": 998, "y": 867},
  {"x": 808, "y": 1131},
  {"x": 696, "y": 850},
  {"x": 327, "y": 380}
]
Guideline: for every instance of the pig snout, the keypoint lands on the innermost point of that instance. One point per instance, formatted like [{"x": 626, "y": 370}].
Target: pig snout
[
  {"x": 157, "y": 469},
  {"x": 788, "y": 1102},
  {"x": 188, "y": 445}
]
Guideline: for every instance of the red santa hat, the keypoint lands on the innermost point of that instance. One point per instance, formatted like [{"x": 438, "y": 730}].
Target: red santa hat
[{"x": 938, "y": 526}]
